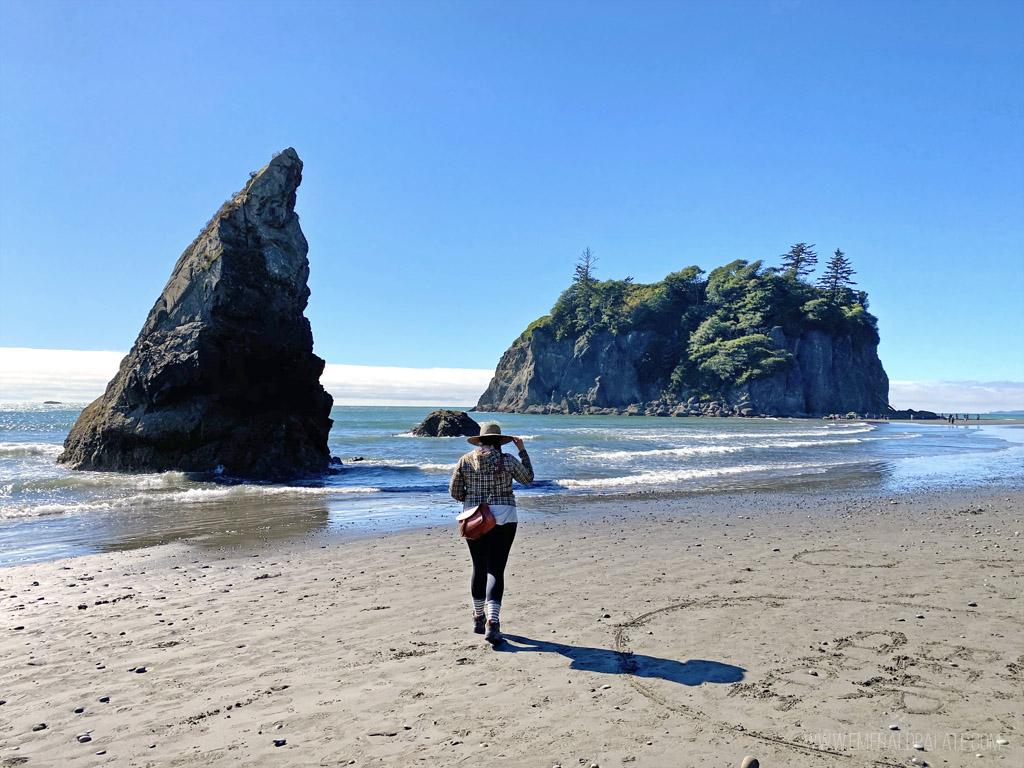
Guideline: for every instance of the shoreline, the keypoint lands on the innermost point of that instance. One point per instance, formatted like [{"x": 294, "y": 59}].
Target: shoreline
[
  {"x": 794, "y": 626},
  {"x": 238, "y": 514}
]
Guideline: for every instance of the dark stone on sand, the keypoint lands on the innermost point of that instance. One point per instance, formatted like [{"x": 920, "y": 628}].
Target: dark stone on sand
[
  {"x": 445, "y": 423},
  {"x": 280, "y": 742},
  {"x": 104, "y": 699},
  {"x": 910, "y": 413},
  {"x": 40, "y": 727},
  {"x": 222, "y": 377}
]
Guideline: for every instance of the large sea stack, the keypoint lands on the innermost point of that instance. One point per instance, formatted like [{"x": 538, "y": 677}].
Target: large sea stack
[
  {"x": 222, "y": 376},
  {"x": 744, "y": 341}
]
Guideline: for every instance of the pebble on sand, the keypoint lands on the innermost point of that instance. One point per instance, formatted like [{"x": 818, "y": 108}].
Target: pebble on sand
[
  {"x": 1002, "y": 742},
  {"x": 40, "y": 727},
  {"x": 83, "y": 738},
  {"x": 919, "y": 747},
  {"x": 750, "y": 762},
  {"x": 280, "y": 742}
]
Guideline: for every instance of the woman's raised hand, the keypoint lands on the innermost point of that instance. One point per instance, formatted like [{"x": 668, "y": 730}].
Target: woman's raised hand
[{"x": 518, "y": 442}]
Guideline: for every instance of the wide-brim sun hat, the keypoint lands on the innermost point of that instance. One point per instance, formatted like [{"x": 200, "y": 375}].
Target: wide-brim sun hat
[{"x": 489, "y": 430}]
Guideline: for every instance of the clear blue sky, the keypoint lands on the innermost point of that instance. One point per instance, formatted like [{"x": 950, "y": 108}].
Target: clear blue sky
[{"x": 460, "y": 155}]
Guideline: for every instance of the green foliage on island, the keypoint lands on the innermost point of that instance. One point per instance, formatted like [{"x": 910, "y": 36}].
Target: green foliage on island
[{"x": 714, "y": 332}]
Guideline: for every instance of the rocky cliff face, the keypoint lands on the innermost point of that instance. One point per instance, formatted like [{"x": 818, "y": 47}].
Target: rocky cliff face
[
  {"x": 223, "y": 373},
  {"x": 829, "y": 375},
  {"x": 602, "y": 374},
  {"x": 540, "y": 374}
]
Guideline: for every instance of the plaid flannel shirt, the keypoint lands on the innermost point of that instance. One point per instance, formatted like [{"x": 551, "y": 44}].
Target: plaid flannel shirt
[{"x": 477, "y": 477}]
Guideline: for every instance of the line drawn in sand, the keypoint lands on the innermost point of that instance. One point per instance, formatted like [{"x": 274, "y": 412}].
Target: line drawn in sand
[{"x": 912, "y": 677}]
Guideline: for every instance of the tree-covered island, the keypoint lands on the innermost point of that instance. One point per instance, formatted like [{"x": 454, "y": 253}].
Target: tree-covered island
[{"x": 745, "y": 339}]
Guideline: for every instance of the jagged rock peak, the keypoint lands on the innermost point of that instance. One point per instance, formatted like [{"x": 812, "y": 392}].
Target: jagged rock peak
[{"x": 222, "y": 375}]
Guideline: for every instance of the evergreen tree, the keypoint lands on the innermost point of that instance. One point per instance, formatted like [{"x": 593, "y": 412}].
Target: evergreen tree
[
  {"x": 588, "y": 311},
  {"x": 800, "y": 260},
  {"x": 585, "y": 268},
  {"x": 836, "y": 280}
]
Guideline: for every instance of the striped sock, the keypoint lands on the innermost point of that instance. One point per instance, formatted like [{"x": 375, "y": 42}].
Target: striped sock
[
  {"x": 478, "y": 607},
  {"x": 493, "y": 609}
]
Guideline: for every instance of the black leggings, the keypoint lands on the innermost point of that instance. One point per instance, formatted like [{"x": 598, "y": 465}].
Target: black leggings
[{"x": 490, "y": 553}]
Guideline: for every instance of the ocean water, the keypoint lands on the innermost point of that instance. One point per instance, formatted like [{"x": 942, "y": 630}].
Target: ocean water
[{"x": 392, "y": 480}]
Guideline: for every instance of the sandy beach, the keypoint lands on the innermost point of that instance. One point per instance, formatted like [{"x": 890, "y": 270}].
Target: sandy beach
[{"x": 802, "y": 628}]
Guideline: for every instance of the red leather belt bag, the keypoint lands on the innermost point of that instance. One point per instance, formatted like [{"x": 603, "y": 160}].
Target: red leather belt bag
[{"x": 476, "y": 521}]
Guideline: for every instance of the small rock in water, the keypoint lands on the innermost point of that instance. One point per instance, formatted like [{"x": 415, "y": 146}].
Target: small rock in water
[
  {"x": 40, "y": 727},
  {"x": 750, "y": 762}
]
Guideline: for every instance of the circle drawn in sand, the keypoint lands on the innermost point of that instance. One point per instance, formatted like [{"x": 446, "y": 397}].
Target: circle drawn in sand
[
  {"x": 844, "y": 558},
  {"x": 853, "y": 667}
]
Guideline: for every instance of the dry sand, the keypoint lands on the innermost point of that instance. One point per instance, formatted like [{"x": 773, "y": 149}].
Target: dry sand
[{"x": 795, "y": 627}]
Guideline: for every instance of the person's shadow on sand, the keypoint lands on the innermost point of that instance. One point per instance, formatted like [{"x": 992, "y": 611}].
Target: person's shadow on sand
[{"x": 605, "y": 661}]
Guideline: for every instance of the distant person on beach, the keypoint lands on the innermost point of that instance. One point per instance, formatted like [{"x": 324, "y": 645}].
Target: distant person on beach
[{"x": 485, "y": 475}]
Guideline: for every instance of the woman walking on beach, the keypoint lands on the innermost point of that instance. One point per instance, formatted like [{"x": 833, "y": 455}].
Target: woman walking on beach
[{"x": 485, "y": 475}]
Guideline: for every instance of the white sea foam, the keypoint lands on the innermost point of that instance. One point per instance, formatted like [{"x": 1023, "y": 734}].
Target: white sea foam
[
  {"x": 47, "y": 510},
  {"x": 804, "y": 443},
  {"x": 670, "y": 476},
  {"x": 49, "y": 450},
  {"x": 693, "y": 450},
  {"x": 189, "y": 496}
]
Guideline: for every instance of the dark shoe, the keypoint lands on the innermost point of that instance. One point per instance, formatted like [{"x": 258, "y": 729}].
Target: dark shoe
[
  {"x": 493, "y": 634},
  {"x": 478, "y": 623}
]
